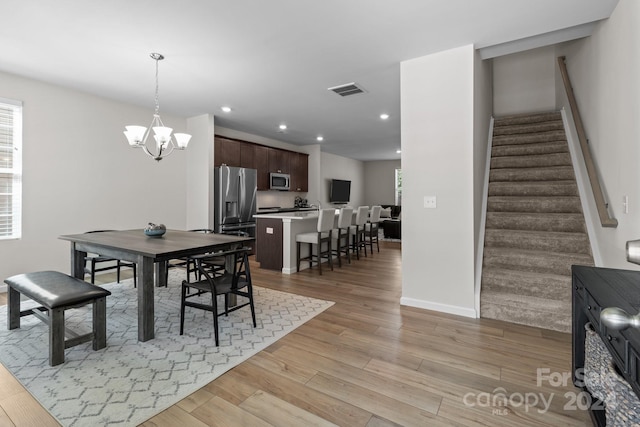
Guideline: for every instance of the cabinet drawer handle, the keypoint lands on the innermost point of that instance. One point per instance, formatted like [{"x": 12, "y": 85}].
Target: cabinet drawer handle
[
  {"x": 610, "y": 338},
  {"x": 588, "y": 307}
]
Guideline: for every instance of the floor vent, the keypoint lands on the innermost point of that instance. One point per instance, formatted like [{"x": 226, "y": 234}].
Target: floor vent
[{"x": 347, "y": 89}]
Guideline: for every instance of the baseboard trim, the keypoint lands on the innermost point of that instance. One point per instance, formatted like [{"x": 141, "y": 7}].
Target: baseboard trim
[
  {"x": 436, "y": 306},
  {"x": 3, "y": 288}
]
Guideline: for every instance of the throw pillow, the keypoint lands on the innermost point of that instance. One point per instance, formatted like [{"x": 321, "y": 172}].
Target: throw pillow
[{"x": 385, "y": 213}]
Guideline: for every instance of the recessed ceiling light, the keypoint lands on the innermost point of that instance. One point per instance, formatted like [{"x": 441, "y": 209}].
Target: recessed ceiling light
[
  {"x": 320, "y": 138},
  {"x": 398, "y": 151},
  {"x": 283, "y": 127},
  {"x": 226, "y": 109},
  {"x": 384, "y": 116}
]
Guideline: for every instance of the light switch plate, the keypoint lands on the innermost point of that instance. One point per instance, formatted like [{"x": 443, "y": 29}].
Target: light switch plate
[
  {"x": 430, "y": 202},
  {"x": 269, "y": 230}
]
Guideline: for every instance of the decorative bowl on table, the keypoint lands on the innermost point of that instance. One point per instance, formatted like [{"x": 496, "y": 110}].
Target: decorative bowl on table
[{"x": 155, "y": 230}]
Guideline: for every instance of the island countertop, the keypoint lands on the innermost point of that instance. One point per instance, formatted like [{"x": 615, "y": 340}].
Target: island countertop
[{"x": 289, "y": 215}]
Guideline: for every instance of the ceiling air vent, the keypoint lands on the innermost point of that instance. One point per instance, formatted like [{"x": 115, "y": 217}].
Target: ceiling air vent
[{"x": 347, "y": 89}]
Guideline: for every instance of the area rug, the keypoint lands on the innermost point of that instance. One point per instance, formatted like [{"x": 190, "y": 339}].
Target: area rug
[{"x": 130, "y": 381}]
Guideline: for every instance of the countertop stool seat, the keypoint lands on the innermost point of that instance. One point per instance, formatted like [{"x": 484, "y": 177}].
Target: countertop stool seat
[
  {"x": 340, "y": 236},
  {"x": 326, "y": 218},
  {"x": 357, "y": 231},
  {"x": 57, "y": 292}
]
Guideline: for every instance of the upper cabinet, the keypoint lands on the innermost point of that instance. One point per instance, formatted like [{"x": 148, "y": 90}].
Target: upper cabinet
[
  {"x": 299, "y": 171},
  {"x": 279, "y": 160},
  {"x": 232, "y": 152},
  {"x": 226, "y": 152},
  {"x": 262, "y": 165}
]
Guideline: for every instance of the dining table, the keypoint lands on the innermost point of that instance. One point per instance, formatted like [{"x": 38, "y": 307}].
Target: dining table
[{"x": 151, "y": 255}]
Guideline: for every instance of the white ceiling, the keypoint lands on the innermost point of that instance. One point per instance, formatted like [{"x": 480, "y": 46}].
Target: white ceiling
[{"x": 271, "y": 61}]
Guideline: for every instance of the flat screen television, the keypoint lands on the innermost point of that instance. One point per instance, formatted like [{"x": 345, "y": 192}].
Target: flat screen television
[{"x": 340, "y": 191}]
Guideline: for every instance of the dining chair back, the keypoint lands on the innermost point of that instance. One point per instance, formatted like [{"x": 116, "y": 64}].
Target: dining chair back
[
  {"x": 92, "y": 262},
  {"x": 357, "y": 231},
  {"x": 326, "y": 219},
  {"x": 372, "y": 228},
  {"x": 340, "y": 235}
]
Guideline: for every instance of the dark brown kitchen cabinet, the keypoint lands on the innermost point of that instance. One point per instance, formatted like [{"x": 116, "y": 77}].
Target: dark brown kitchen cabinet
[
  {"x": 299, "y": 163},
  {"x": 226, "y": 152},
  {"x": 279, "y": 160},
  {"x": 247, "y": 155},
  {"x": 234, "y": 152},
  {"x": 262, "y": 165}
]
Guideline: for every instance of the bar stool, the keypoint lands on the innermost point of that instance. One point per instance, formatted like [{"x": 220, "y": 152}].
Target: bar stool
[
  {"x": 340, "y": 235},
  {"x": 371, "y": 228},
  {"x": 326, "y": 218},
  {"x": 357, "y": 231}
]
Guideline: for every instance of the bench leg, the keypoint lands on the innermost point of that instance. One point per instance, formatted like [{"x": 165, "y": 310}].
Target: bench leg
[
  {"x": 13, "y": 312},
  {"x": 99, "y": 323},
  {"x": 56, "y": 336}
]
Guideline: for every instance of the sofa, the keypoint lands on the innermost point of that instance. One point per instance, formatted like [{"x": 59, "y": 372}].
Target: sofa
[{"x": 390, "y": 221}]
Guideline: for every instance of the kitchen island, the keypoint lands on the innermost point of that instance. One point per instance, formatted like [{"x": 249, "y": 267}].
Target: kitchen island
[{"x": 276, "y": 238}]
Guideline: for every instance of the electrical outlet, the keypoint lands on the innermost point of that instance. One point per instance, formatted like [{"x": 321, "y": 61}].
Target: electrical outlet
[
  {"x": 269, "y": 230},
  {"x": 625, "y": 204},
  {"x": 430, "y": 202}
]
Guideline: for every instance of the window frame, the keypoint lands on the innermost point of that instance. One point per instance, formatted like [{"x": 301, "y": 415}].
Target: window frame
[{"x": 14, "y": 149}]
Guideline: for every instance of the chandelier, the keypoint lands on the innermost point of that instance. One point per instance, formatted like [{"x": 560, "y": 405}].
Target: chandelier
[{"x": 165, "y": 144}]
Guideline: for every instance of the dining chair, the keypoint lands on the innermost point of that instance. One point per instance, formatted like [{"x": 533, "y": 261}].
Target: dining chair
[
  {"x": 326, "y": 219},
  {"x": 236, "y": 282},
  {"x": 372, "y": 228},
  {"x": 340, "y": 236},
  {"x": 216, "y": 265},
  {"x": 356, "y": 231},
  {"x": 92, "y": 262}
]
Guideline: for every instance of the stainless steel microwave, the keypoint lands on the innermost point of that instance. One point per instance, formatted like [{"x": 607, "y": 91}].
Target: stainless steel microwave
[{"x": 279, "y": 181}]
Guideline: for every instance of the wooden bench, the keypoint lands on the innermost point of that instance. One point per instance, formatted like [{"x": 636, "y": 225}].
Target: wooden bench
[{"x": 57, "y": 292}]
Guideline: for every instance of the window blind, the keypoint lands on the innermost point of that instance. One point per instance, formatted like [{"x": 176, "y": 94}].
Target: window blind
[{"x": 10, "y": 169}]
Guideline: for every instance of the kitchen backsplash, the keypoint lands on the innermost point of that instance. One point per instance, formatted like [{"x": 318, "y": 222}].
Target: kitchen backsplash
[{"x": 283, "y": 199}]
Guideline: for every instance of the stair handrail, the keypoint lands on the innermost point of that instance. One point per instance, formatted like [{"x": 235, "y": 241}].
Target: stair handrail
[{"x": 605, "y": 219}]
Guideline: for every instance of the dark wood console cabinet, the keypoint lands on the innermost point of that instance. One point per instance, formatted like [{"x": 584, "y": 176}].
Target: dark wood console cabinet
[{"x": 595, "y": 289}]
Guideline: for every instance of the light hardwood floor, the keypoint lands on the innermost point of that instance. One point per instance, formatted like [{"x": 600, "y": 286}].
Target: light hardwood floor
[{"x": 367, "y": 361}]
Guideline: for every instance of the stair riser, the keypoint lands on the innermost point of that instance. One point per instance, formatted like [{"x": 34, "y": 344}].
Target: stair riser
[
  {"x": 529, "y": 149},
  {"x": 534, "y": 263},
  {"x": 534, "y": 204},
  {"x": 568, "y": 223},
  {"x": 522, "y": 190},
  {"x": 551, "y": 320},
  {"x": 554, "y": 289},
  {"x": 543, "y": 160},
  {"x": 578, "y": 244},
  {"x": 526, "y": 118},
  {"x": 528, "y": 128},
  {"x": 549, "y": 174},
  {"x": 528, "y": 139}
]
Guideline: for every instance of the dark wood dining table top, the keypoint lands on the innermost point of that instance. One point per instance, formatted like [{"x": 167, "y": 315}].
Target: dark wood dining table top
[{"x": 173, "y": 244}]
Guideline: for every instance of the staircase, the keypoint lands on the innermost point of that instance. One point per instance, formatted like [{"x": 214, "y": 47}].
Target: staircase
[{"x": 535, "y": 228}]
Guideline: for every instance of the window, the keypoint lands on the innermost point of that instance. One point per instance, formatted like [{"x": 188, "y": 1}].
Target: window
[
  {"x": 10, "y": 169},
  {"x": 398, "y": 187}
]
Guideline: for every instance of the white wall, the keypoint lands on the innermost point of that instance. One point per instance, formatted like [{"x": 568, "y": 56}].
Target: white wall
[
  {"x": 524, "y": 82},
  {"x": 604, "y": 71},
  {"x": 437, "y": 101},
  {"x": 200, "y": 173},
  {"x": 380, "y": 182},
  {"x": 337, "y": 167},
  {"x": 80, "y": 174}
]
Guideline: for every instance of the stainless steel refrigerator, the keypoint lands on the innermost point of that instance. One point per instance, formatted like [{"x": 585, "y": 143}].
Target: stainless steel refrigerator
[{"x": 235, "y": 200}]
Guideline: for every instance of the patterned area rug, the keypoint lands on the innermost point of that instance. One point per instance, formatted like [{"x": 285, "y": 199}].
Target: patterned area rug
[{"x": 129, "y": 381}]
